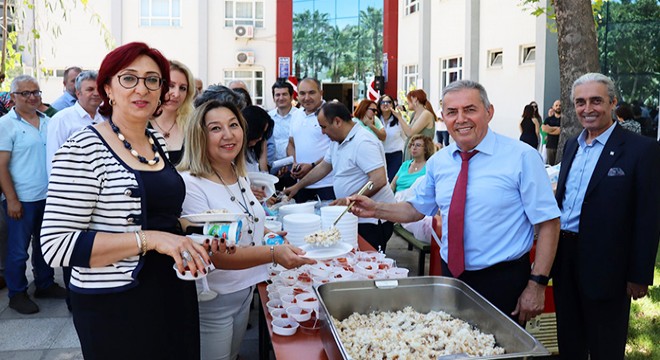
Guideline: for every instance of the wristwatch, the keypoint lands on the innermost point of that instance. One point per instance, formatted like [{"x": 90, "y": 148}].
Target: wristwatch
[{"x": 540, "y": 279}]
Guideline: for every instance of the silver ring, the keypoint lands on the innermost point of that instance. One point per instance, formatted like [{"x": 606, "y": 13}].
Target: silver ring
[{"x": 186, "y": 256}]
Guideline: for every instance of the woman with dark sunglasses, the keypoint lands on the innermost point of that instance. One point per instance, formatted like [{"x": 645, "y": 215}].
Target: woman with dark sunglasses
[{"x": 396, "y": 138}]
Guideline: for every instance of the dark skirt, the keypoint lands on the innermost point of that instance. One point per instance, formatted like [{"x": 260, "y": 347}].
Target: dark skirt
[{"x": 157, "y": 319}]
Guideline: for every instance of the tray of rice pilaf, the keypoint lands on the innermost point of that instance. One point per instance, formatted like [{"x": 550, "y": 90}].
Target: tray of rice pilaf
[{"x": 430, "y": 317}]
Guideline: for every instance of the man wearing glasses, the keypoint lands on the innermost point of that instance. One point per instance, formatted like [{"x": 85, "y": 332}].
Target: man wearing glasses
[{"x": 24, "y": 183}]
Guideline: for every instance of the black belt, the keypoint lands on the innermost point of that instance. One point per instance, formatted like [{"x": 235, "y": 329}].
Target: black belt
[{"x": 565, "y": 234}]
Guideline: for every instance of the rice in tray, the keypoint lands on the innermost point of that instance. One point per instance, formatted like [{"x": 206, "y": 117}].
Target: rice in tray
[{"x": 408, "y": 334}]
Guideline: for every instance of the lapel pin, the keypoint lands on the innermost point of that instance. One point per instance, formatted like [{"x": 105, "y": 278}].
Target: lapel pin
[{"x": 611, "y": 153}]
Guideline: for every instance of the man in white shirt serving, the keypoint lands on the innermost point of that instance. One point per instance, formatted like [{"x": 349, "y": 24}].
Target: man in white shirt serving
[{"x": 356, "y": 157}]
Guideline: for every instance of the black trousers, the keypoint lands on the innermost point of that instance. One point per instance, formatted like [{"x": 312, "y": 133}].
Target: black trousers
[
  {"x": 586, "y": 328},
  {"x": 377, "y": 234},
  {"x": 501, "y": 284},
  {"x": 305, "y": 195}
]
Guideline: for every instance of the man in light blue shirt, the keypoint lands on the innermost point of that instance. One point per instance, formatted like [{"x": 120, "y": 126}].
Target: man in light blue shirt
[
  {"x": 24, "y": 184},
  {"x": 68, "y": 98},
  {"x": 508, "y": 192}
]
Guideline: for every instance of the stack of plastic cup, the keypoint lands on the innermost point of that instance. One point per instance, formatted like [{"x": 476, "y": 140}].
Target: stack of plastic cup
[{"x": 347, "y": 225}]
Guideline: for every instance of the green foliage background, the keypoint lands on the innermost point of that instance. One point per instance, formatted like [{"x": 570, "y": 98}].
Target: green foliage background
[
  {"x": 629, "y": 46},
  {"x": 327, "y": 52}
]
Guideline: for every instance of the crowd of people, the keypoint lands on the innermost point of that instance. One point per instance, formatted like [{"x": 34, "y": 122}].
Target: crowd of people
[
  {"x": 86, "y": 188},
  {"x": 543, "y": 135}
]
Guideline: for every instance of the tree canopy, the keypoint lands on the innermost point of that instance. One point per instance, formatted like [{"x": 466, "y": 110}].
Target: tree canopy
[
  {"x": 628, "y": 47},
  {"x": 324, "y": 51}
]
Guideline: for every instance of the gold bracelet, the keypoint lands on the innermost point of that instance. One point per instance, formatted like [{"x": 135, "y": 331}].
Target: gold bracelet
[
  {"x": 272, "y": 255},
  {"x": 143, "y": 243}
]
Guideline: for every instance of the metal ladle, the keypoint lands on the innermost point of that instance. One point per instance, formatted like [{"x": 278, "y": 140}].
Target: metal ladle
[{"x": 369, "y": 185}]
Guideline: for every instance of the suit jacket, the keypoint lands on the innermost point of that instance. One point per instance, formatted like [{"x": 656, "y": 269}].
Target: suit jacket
[{"x": 620, "y": 218}]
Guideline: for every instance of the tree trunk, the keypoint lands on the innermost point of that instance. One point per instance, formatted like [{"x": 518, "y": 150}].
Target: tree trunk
[{"x": 578, "y": 55}]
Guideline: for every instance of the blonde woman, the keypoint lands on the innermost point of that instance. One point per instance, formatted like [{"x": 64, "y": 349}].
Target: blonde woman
[
  {"x": 213, "y": 168},
  {"x": 176, "y": 109}
]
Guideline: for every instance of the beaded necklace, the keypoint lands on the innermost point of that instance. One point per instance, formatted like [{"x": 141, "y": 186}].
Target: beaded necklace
[
  {"x": 252, "y": 219},
  {"x": 134, "y": 152}
]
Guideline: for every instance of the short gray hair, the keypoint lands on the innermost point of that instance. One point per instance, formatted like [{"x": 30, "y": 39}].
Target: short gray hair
[
  {"x": 21, "y": 79},
  {"x": 222, "y": 94},
  {"x": 468, "y": 85},
  {"x": 595, "y": 77},
  {"x": 85, "y": 75}
]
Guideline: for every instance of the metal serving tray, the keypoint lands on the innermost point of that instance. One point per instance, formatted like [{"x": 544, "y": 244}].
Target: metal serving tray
[{"x": 424, "y": 294}]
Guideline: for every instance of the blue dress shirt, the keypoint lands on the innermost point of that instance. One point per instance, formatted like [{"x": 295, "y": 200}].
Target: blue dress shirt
[
  {"x": 27, "y": 146},
  {"x": 579, "y": 176},
  {"x": 64, "y": 101},
  {"x": 508, "y": 192}
]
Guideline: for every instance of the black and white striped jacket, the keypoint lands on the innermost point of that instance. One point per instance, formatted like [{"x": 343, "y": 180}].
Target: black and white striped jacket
[{"x": 92, "y": 190}]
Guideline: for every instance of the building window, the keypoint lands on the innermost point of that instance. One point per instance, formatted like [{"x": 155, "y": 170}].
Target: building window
[
  {"x": 160, "y": 13},
  {"x": 411, "y": 6},
  {"x": 495, "y": 58},
  {"x": 451, "y": 70},
  {"x": 409, "y": 77},
  {"x": 527, "y": 54},
  {"x": 254, "y": 79},
  {"x": 244, "y": 12}
]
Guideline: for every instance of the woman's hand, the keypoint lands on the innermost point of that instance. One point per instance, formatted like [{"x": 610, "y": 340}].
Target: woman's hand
[
  {"x": 259, "y": 192},
  {"x": 290, "y": 256},
  {"x": 180, "y": 248}
]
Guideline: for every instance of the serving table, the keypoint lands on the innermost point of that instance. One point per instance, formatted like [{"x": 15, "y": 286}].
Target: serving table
[{"x": 301, "y": 344}]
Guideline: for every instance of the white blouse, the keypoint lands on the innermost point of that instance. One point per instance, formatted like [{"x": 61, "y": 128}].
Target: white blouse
[{"x": 203, "y": 194}]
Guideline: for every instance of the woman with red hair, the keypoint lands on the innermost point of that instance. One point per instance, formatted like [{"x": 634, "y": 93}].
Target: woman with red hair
[
  {"x": 366, "y": 114},
  {"x": 423, "y": 119},
  {"x": 112, "y": 214}
]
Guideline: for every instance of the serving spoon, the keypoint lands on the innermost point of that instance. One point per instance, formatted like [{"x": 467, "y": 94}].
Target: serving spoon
[{"x": 368, "y": 186}]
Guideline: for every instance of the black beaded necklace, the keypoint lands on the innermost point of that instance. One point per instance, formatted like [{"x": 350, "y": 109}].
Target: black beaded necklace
[
  {"x": 244, "y": 205},
  {"x": 128, "y": 146}
]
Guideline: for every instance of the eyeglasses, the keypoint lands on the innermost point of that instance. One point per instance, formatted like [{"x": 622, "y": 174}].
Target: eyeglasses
[
  {"x": 386, "y": 102},
  {"x": 26, "y": 94},
  {"x": 416, "y": 145},
  {"x": 373, "y": 109},
  {"x": 128, "y": 81}
]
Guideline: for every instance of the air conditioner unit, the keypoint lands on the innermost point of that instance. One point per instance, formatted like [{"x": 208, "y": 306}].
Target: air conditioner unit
[
  {"x": 244, "y": 31},
  {"x": 245, "y": 57}
]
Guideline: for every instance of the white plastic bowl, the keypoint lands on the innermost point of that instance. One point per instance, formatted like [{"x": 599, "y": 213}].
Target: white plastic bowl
[
  {"x": 273, "y": 305},
  {"x": 397, "y": 273},
  {"x": 287, "y": 300},
  {"x": 188, "y": 276},
  {"x": 279, "y": 314},
  {"x": 307, "y": 301},
  {"x": 366, "y": 267},
  {"x": 299, "y": 314},
  {"x": 284, "y": 327}
]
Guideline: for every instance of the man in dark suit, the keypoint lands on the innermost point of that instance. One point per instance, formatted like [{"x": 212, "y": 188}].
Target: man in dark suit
[{"x": 609, "y": 195}]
